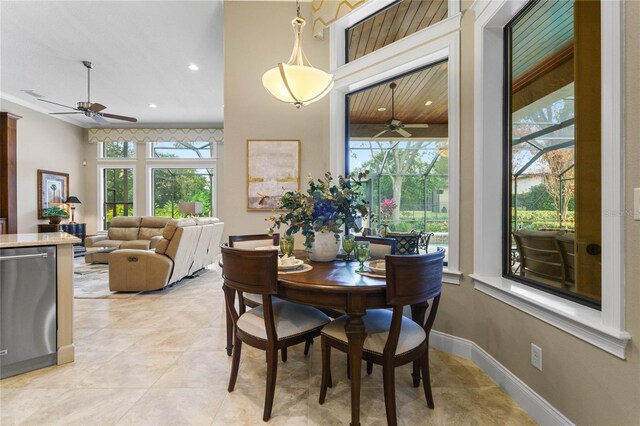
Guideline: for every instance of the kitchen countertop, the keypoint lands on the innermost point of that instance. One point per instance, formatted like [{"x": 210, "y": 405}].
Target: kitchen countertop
[{"x": 30, "y": 240}]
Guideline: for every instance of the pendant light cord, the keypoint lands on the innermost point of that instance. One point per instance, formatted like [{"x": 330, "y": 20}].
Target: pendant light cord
[{"x": 298, "y": 8}]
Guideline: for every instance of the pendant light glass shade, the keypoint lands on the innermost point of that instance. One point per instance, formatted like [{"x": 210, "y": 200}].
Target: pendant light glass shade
[{"x": 297, "y": 82}]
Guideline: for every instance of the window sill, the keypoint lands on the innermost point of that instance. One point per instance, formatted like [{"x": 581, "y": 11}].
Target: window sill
[
  {"x": 579, "y": 320},
  {"x": 451, "y": 277}
]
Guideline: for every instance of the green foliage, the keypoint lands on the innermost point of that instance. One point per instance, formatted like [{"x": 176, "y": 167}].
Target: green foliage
[
  {"x": 175, "y": 186},
  {"x": 537, "y": 198},
  {"x": 55, "y": 211},
  {"x": 542, "y": 219},
  {"x": 326, "y": 206}
]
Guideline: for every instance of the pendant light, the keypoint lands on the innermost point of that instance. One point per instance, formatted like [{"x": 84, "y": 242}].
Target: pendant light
[{"x": 297, "y": 82}]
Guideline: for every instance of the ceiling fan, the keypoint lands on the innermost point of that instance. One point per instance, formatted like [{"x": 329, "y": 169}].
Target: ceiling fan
[
  {"x": 395, "y": 125},
  {"x": 91, "y": 110}
]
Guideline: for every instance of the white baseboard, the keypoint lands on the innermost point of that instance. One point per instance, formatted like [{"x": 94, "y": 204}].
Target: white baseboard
[{"x": 536, "y": 406}]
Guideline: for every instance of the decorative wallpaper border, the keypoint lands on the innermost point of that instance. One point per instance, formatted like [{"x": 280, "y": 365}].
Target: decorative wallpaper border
[
  {"x": 156, "y": 135},
  {"x": 325, "y": 12}
]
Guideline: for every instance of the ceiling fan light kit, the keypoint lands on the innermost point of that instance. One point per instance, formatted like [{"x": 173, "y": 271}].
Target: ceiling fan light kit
[
  {"x": 395, "y": 125},
  {"x": 91, "y": 110},
  {"x": 297, "y": 82}
]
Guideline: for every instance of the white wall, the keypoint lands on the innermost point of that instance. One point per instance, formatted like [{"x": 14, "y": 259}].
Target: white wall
[
  {"x": 45, "y": 143},
  {"x": 258, "y": 35}
]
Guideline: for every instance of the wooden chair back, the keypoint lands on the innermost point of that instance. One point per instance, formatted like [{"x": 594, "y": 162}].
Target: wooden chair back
[
  {"x": 250, "y": 242},
  {"x": 251, "y": 271},
  {"x": 380, "y": 247},
  {"x": 566, "y": 244},
  {"x": 412, "y": 280},
  {"x": 539, "y": 255}
]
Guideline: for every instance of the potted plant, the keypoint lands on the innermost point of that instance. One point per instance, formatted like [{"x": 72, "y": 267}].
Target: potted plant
[
  {"x": 55, "y": 214},
  {"x": 321, "y": 212}
]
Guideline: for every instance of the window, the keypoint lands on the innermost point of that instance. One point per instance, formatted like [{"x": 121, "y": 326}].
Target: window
[
  {"x": 118, "y": 194},
  {"x": 553, "y": 149},
  {"x": 183, "y": 150},
  {"x": 172, "y": 187},
  {"x": 398, "y": 131},
  {"x": 400, "y": 19},
  {"x": 118, "y": 149},
  {"x": 603, "y": 327}
]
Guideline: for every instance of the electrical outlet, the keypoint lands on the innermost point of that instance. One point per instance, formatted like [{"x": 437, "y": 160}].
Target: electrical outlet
[{"x": 536, "y": 356}]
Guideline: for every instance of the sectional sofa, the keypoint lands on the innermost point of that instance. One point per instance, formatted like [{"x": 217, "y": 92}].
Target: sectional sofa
[
  {"x": 125, "y": 232},
  {"x": 187, "y": 246}
]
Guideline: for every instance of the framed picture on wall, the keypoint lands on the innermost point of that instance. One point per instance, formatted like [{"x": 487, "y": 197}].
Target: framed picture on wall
[
  {"x": 273, "y": 168},
  {"x": 53, "y": 190}
]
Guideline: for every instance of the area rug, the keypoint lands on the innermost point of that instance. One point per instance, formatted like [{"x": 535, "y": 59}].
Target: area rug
[{"x": 91, "y": 281}]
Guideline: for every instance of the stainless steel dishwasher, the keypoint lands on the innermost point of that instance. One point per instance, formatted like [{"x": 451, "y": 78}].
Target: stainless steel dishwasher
[{"x": 28, "y": 319}]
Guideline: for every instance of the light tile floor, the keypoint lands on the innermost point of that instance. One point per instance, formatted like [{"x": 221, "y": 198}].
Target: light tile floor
[{"x": 159, "y": 358}]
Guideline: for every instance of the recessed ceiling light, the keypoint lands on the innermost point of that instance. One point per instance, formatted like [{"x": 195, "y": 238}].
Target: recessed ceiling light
[
  {"x": 428, "y": 103},
  {"x": 382, "y": 109},
  {"x": 153, "y": 106},
  {"x": 193, "y": 67}
]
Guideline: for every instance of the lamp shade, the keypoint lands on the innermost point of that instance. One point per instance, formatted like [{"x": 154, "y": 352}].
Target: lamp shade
[
  {"x": 192, "y": 207},
  {"x": 72, "y": 200},
  {"x": 297, "y": 82}
]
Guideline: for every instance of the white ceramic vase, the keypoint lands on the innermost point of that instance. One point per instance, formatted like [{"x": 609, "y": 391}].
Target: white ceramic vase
[{"x": 325, "y": 247}]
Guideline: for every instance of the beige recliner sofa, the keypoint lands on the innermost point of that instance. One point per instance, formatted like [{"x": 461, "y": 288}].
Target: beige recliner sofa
[
  {"x": 126, "y": 232},
  {"x": 187, "y": 246}
]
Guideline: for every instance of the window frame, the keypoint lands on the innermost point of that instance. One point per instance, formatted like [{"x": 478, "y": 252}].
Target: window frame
[
  {"x": 101, "y": 200},
  {"x": 101, "y": 156},
  {"x": 180, "y": 163},
  {"x": 431, "y": 45},
  {"x": 603, "y": 328}
]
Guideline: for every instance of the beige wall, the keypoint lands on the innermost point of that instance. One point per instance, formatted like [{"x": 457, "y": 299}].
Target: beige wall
[
  {"x": 258, "y": 35},
  {"x": 585, "y": 383},
  {"x": 45, "y": 143}
]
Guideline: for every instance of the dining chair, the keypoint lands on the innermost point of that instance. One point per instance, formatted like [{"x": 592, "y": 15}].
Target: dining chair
[
  {"x": 380, "y": 247},
  {"x": 251, "y": 242},
  {"x": 248, "y": 242},
  {"x": 393, "y": 339},
  {"x": 272, "y": 326}
]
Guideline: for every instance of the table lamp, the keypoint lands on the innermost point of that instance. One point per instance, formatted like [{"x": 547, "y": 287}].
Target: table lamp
[
  {"x": 72, "y": 201},
  {"x": 190, "y": 208}
]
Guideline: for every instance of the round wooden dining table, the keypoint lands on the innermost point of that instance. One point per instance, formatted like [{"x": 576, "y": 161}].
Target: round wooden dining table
[{"x": 336, "y": 285}]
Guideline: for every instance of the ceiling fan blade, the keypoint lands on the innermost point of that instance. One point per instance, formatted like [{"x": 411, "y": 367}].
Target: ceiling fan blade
[
  {"x": 417, "y": 126},
  {"x": 381, "y": 133},
  {"x": 120, "y": 117},
  {"x": 404, "y": 133},
  {"x": 58, "y": 113},
  {"x": 97, "y": 117},
  {"x": 97, "y": 107},
  {"x": 55, "y": 103}
]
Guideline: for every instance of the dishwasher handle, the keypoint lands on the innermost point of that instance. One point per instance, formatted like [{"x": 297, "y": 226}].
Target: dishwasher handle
[{"x": 25, "y": 256}]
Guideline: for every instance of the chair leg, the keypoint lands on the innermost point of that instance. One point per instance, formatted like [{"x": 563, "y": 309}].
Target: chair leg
[
  {"x": 307, "y": 346},
  {"x": 235, "y": 363},
  {"x": 272, "y": 371},
  {"x": 389, "y": 384},
  {"x": 284, "y": 354},
  {"x": 326, "y": 369},
  {"x": 369, "y": 367},
  {"x": 416, "y": 374},
  {"x": 348, "y": 368},
  {"x": 426, "y": 380},
  {"x": 229, "y": 333}
]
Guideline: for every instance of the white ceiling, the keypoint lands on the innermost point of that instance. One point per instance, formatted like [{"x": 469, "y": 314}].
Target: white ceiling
[{"x": 140, "y": 51}]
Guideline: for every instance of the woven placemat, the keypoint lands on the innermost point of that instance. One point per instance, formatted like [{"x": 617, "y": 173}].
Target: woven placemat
[
  {"x": 372, "y": 275},
  {"x": 305, "y": 268}
]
